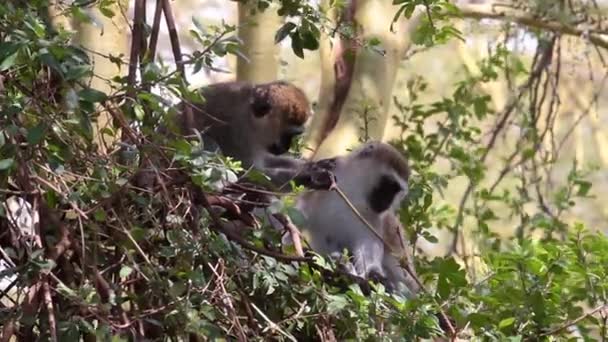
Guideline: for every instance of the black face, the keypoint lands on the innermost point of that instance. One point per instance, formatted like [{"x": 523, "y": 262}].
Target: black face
[
  {"x": 284, "y": 143},
  {"x": 382, "y": 195}
]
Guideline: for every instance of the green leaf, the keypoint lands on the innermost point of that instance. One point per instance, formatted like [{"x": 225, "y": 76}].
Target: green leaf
[
  {"x": 177, "y": 288},
  {"x": 36, "y": 134},
  {"x": 125, "y": 271},
  {"x": 309, "y": 41},
  {"x": 283, "y": 32},
  {"x": 50, "y": 60},
  {"x": 91, "y": 95},
  {"x": 198, "y": 25},
  {"x": 296, "y": 45},
  {"x": 138, "y": 233},
  {"x": 7, "y": 50},
  {"x": 100, "y": 215},
  {"x": 77, "y": 72},
  {"x": 9, "y": 61},
  {"x": 38, "y": 27},
  {"x": 480, "y": 106},
  {"x": 139, "y": 112},
  {"x": 296, "y": 217},
  {"x": 6, "y": 163},
  {"x": 583, "y": 187},
  {"x": 507, "y": 322},
  {"x": 336, "y": 303},
  {"x": 106, "y": 11}
]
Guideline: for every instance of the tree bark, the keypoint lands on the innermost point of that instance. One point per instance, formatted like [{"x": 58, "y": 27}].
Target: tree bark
[
  {"x": 329, "y": 54},
  {"x": 372, "y": 80},
  {"x": 107, "y": 36},
  {"x": 257, "y": 32}
]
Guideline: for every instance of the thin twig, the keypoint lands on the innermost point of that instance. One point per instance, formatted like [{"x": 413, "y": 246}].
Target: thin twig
[
  {"x": 530, "y": 20},
  {"x": 575, "y": 321},
  {"x": 294, "y": 232},
  {"x": 542, "y": 63},
  {"x": 48, "y": 301},
  {"x": 272, "y": 325},
  {"x": 201, "y": 198}
]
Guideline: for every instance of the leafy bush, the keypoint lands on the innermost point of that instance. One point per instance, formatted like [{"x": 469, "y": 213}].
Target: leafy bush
[{"x": 111, "y": 261}]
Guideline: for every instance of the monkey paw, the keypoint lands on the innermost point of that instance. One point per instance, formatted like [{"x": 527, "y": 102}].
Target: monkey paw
[
  {"x": 328, "y": 164},
  {"x": 376, "y": 277},
  {"x": 321, "y": 179}
]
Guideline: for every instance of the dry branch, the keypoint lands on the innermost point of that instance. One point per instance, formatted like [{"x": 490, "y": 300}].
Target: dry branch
[{"x": 489, "y": 11}]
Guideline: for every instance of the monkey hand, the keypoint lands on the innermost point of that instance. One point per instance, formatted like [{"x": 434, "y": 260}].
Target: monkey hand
[
  {"x": 321, "y": 178},
  {"x": 327, "y": 164}
]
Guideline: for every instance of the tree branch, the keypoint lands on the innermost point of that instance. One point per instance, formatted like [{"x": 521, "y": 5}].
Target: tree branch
[
  {"x": 576, "y": 320},
  {"x": 488, "y": 11}
]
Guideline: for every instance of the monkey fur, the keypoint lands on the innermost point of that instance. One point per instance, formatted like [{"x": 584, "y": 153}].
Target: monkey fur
[
  {"x": 253, "y": 123},
  {"x": 374, "y": 178}
]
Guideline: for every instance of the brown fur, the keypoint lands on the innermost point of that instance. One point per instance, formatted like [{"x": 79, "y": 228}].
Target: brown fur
[
  {"x": 393, "y": 234},
  {"x": 289, "y": 100},
  {"x": 252, "y": 123}
]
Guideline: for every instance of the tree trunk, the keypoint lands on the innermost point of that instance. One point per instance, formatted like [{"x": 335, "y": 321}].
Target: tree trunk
[
  {"x": 328, "y": 56},
  {"x": 107, "y": 36},
  {"x": 365, "y": 110},
  {"x": 257, "y": 32}
]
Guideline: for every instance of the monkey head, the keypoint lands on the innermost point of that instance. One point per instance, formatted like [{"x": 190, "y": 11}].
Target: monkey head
[
  {"x": 374, "y": 179},
  {"x": 279, "y": 112},
  {"x": 376, "y": 173}
]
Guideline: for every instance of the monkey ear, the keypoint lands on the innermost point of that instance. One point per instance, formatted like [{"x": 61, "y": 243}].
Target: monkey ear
[{"x": 260, "y": 101}]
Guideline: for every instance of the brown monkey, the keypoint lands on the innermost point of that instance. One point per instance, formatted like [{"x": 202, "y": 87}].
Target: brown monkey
[{"x": 253, "y": 123}]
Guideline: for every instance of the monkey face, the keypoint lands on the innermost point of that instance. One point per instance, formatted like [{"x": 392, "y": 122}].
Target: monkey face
[
  {"x": 285, "y": 140},
  {"x": 280, "y": 111}
]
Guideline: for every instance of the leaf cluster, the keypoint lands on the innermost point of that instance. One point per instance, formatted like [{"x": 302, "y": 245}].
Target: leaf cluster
[{"x": 111, "y": 261}]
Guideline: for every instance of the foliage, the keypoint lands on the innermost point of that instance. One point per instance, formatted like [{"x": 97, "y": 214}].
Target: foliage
[{"x": 114, "y": 262}]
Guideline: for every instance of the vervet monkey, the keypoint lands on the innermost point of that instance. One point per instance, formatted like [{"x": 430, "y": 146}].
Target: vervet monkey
[
  {"x": 374, "y": 178},
  {"x": 398, "y": 255},
  {"x": 253, "y": 123}
]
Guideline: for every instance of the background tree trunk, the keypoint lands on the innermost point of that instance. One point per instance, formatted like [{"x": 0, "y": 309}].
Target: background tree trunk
[
  {"x": 106, "y": 36},
  {"x": 327, "y": 51},
  {"x": 365, "y": 111},
  {"x": 257, "y": 32}
]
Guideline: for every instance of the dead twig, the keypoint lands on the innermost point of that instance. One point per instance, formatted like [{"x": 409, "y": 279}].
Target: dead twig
[
  {"x": 293, "y": 231},
  {"x": 48, "y": 301}
]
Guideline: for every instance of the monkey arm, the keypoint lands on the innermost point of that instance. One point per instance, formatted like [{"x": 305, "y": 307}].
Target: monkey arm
[
  {"x": 398, "y": 278},
  {"x": 309, "y": 177},
  {"x": 283, "y": 169}
]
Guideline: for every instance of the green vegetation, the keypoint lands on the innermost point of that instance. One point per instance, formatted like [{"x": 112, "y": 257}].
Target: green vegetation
[{"x": 114, "y": 262}]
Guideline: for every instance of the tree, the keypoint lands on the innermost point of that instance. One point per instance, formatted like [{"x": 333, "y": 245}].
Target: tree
[
  {"x": 256, "y": 30},
  {"x": 104, "y": 33},
  {"x": 370, "y": 75},
  {"x": 109, "y": 260}
]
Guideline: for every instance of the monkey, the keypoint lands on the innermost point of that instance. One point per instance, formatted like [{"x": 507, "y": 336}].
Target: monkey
[
  {"x": 253, "y": 123},
  {"x": 399, "y": 251},
  {"x": 374, "y": 178}
]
